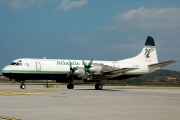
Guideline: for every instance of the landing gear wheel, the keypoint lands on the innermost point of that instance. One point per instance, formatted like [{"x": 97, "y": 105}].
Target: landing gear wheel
[
  {"x": 98, "y": 86},
  {"x": 70, "y": 86},
  {"x": 22, "y": 86}
]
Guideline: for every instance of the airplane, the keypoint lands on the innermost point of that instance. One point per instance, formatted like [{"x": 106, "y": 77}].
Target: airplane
[{"x": 65, "y": 70}]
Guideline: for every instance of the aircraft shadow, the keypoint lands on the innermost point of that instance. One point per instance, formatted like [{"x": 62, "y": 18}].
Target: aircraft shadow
[{"x": 99, "y": 90}]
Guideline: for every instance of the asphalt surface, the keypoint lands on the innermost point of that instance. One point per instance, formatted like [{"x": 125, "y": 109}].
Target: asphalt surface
[{"x": 85, "y": 103}]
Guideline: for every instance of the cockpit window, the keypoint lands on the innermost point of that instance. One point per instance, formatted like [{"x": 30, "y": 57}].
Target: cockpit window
[
  {"x": 16, "y": 63},
  {"x": 13, "y": 63}
]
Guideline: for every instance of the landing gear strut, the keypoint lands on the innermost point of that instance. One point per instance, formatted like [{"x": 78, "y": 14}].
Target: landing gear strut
[
  {"x": 22, "y": 86},
  {"x": 70, "y": 86},
  {"x": 98, "y": 86}
]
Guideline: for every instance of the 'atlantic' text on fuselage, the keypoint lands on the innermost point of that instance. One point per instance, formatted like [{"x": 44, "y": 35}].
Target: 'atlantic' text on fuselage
[{"x": 74, "y": 63}]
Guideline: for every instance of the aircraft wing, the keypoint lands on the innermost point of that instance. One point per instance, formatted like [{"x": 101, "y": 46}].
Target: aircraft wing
[
  {"x": 113, "y": 73},
  {"x": 123, "y": 70},
  {"x": 118, "y": 72},
  {"x": 162, "y": 64}
]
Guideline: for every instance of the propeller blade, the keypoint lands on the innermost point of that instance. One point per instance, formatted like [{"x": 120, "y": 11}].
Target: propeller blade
[
  {"x": 90, "y": 63},
  {"x": 84, "y": 63},
  {"x": 71, "y": 72},
  {"x": 70, "y": 65},
  {"x": 87, "y": 67}
]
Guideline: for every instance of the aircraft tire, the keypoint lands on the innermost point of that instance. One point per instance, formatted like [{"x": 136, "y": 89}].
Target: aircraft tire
[
  {"x": 23, "y": 86},
  {"x": 70, "y": 86},
  {"x": 98, "y": 86}
]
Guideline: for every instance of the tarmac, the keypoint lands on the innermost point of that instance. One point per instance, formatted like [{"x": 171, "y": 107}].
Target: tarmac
[{"x": 84, "y": 103}]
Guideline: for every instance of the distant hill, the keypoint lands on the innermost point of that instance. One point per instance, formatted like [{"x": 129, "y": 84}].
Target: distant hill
[
  {"x": 161, "y": 76},
  {"x": 3, "y": 79},
  {"x": 160, "y": 73}
]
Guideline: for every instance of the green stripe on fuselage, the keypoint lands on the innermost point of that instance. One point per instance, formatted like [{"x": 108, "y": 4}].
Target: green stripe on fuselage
[
  {"x": 58, "y": 72},
  {"x": 35, "y": 72}
]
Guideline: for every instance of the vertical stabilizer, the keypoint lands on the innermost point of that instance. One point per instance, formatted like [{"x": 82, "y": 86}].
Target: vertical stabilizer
[
  {"x": 149, "y": 41},
  {"x": 148, "y": 54}
]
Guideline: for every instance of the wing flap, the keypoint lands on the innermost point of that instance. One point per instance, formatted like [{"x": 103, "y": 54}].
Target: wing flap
[
  {"x": 123, "y": 70},
  {"x": 162, "y": 64},
  {"x": 118, "y": 72},
  {"x": 113, "y": 73}
]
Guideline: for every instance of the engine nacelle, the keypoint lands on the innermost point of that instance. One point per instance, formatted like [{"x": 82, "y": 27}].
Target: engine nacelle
[
  {"x": 93, "y": 70},
  {"x": 79, "y": 72},
  {"x": 97, "y": 69}
]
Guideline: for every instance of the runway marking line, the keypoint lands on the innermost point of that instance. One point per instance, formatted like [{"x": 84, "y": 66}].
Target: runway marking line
[
  {"x": 10, "y": 93},
  {"x": 8, "y": 118}
]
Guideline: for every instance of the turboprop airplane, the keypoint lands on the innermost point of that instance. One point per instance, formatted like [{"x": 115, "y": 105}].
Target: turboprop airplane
[{"x": 64, "y": 70}]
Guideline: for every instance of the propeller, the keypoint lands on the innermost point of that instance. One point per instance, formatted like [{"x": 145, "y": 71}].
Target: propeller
[
  {"x": 71, "y": 72},
  {"x": 87, "y": 67}
]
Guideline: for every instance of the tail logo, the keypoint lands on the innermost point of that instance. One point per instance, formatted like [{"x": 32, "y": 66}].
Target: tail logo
[{"x": 147, "y": 52}]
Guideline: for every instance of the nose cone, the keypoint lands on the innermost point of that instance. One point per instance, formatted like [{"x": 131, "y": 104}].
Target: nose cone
[{"x": 5, "y": 71}]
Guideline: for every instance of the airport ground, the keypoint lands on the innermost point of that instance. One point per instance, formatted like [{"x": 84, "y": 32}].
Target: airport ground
[{"x": 84, "y": 103}]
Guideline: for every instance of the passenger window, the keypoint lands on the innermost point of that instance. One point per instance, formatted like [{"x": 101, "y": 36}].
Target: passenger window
[{"x": 26, "y": 64}]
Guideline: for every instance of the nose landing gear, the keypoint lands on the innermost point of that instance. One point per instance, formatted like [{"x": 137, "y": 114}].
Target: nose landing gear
[{"x": 22, "y": 86}]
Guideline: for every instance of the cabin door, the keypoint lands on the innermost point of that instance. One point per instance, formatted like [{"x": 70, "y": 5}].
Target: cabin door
[{"x": 38, "y": 66}]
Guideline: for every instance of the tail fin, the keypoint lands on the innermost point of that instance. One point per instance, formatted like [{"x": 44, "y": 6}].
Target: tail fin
[{"x": 148, "y": 54}]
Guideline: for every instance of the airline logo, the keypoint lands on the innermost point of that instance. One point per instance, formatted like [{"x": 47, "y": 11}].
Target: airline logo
[
  {"x": 74, "y": 63},
  {"x": 147, "y": 52}
]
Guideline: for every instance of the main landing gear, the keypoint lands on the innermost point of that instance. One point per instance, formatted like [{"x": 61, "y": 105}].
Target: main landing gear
[
  {"x": 22, "y": 86},
  {"x": 70, "y": 86},
  {"x": 98, "y": 86}
]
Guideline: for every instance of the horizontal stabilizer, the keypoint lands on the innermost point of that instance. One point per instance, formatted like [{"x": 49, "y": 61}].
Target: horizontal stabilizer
[{"x": 162, "y": 64}]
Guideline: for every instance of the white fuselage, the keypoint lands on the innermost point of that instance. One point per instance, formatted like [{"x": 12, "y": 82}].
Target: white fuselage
[{"x": 61, "y": 66}]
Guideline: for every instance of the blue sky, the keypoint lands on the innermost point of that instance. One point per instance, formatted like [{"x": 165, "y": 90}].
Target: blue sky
[{"x": 85, "y": 29}]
